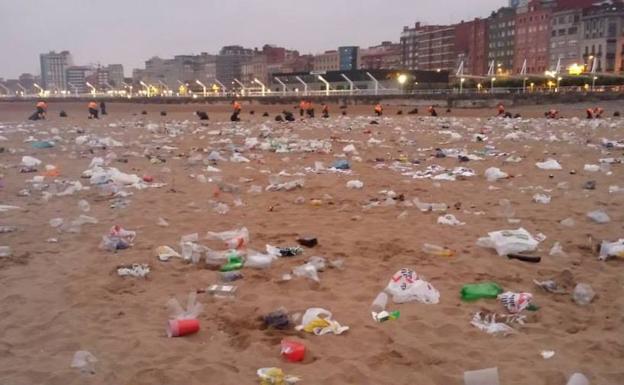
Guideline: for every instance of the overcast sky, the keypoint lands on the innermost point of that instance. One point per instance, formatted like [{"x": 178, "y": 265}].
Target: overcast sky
[{"x": 131, "y": 31}]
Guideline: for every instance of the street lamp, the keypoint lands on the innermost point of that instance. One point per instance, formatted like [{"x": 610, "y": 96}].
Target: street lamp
[
  {"x": 479, "y": 86},
  {"x": 326, "y": 84},
  {"x": 558, "y": 83},
  {"x": 261, "y": 85},
  {"x": 202, "y": 85},
  {"x": 92, "y": 88},
  {"x": 594, "y": 83},
  {"x": 41, "y": 90},
  {"x": 242, "y": 86},
  {"x": 492, "y": 85},
  {"x": 147, "y": 88},
  {"x": 461, "y": 85}
]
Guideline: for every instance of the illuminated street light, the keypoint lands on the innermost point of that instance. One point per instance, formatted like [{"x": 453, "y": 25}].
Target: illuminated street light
[
  {"x": 261, "y": 85},
  {"x": 202, "y": 85},
  {"x": 461, "y": 85},
  {"x": 492, "y": 85},
  {"x": 326, "y": 84},
  {"x": 402, "y": 78},
  {"x": 594, "y": 83},
  {"x": 283, "y": 85},
  {"x": 93, "y": 90},
  {"x": 41, "y": 90},
  {"x": 147, "y": 88}
]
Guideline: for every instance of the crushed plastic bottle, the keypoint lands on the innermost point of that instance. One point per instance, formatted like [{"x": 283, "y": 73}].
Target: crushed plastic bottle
[{"x": 598, "y": 216}]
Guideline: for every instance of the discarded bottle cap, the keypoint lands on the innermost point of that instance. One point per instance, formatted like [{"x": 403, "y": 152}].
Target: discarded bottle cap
[
  {"x": 182, "y": 327},
  {"x": 293, "y": 351}
]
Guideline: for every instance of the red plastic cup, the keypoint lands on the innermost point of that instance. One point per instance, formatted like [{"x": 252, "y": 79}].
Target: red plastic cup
[
  {"x": 182, "y": 327},
  {"x": 148, "y": 178},
  {"x": 293, "y": 351}
]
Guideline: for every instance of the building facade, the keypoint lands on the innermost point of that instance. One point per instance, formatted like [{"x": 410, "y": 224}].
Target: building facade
[
  {"x": 77, "y": 79},
  {"x": 501, "y": 39},
  {"x": 602, "y": 35},
  {"x": 436, "y": 48},
  {"x": 182, "y": 70},
  {"x": 229, "y": 64},
  {"x": 532, "y": 38},
  {"x": 348, "y": 58},
  {"x": 471, "y": 39},
  {"x": 386, "y": 56},
  {"x": 53, "y": 69},
  {"x": 565, "y": 38},
  {"x": 115, "y": 74},
  {"x": 409, "y": 47},
  {"x": 327, "y": 61}
]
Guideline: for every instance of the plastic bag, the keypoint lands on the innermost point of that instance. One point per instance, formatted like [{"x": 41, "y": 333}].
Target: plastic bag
[
  {"x": 319, "y": 321},
  {"x": 406, "y": 286},
  {"x": 490, "y": 326},
  {"x": 541, "y": 198},
  {"x": 598, "y": 216},
  {"x": 306, "y": 270},
  {"x": 449, "y": 219},
  {"x": 493, "y": 174},
  {"x": 583, "y": 294},
  {"x": 355, "y": 184},
  {"x": 84, "y": 361},
  {"x": 118, "y": 238},
  {"x": 515, "y": 302},
  {"x": 234, "y": 239},
  {"x": 548, "y": 164},
  {"x": 611, "y": 249},
  {"x": 509, "y": 241},
  {"x": 259, "y": 261}
]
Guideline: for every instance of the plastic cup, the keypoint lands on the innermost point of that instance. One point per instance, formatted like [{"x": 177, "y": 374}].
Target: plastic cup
[
  {"x": 182, "y": 327},
  {"x": 293, "y": 351}
]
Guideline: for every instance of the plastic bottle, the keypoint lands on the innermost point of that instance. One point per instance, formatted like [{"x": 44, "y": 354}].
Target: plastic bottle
[
  {"x": 475, "y": 291},
  {"x": 437, "y": 250},
  {"x": 379, "y": 304}
]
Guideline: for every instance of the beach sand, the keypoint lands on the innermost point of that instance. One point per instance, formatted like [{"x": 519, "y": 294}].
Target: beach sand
[{"x": 57, "y": 298}]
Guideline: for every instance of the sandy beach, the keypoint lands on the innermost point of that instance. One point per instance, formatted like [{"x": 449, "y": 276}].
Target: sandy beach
[{"x": 59, "y": 297}]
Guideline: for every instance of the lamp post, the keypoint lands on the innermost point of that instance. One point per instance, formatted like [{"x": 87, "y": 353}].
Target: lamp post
[
  {"x": 223, "y": 87},
  {"x": 375, "y": 81},
  {"x": 41, "y": 90},
  {"x": 305, "y": 85},
  {"x": 93, "y": 91},
  {"x": 461, "y": 85},
  {"x": 5, "y": 89},
  {"x": 326, "y": 84},
  {"x": 283, "y": 85},
  {"x": 350, "y": 83},
  {"x": 261, "y": 85},
  {"x": 147, "y": 88},
  {"x": 203, "y": 86},
  {"x": 594, "y": 78},
  {"x": 492, "y": 84},
  {"x": 559, "y": 78},
  {"x": 242, "y": 86},
  {"x": 402, "y": 79}
]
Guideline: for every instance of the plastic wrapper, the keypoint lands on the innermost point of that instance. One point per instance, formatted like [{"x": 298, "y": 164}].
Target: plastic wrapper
[
  {"x": 234, "y": 239},
  {"x": 509, "y": 241}
]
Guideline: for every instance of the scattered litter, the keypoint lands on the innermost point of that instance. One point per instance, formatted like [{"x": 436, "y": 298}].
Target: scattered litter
[{"x": 137, "y": 270}]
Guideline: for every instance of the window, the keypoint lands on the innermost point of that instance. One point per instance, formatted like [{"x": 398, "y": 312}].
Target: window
[{"x": 572, "y": 30}]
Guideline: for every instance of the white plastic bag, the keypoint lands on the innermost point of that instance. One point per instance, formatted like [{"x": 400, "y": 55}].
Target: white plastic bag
[
  {"x": 598, "y": 216},
  {"x": 449, "y": 219},
  {"x": 406, "y": 286},
  {"x": 509, "y": 241},
  {"x": 493, "y": 174},
  {"x": 548, "y": 164},
  {"x": 611, "y": 249},
  {"x": 234, "y": 239},
  {"x": 84, "y": 361}
]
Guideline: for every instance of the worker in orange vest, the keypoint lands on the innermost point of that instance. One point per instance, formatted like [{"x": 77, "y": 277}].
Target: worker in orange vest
[
  {"x": 598, "y": 112},
  {"x": 378, "y": 109},
  {"x": 93, "y": 110},
  {"x": 501, "y": 109},
  {"x": 309, "y": 109},
  {"x": 302, "y": 107},
  {"x": 237, "y": 110},
  {"x": 42, "y": 109},
  {"x": 432, "y": 111}
]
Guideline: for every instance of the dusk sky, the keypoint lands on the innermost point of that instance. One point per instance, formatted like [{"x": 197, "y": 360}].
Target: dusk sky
[{"x": 131, "y": 31}]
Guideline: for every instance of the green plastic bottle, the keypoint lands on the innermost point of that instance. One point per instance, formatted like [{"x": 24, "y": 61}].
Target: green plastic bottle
[
  {"x": 235, "y": 262},
  {"x": 475, "y": 291}
]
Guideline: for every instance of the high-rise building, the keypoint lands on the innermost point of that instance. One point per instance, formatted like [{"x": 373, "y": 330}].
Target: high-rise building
[
  {"x": 115, "y": 74},
  {"x": 471, "y": 40},
  {"x": 77, "y": 79},
  {"x": 602, "y": 35},
  {"x": 229, "y": 63},
  {"x": 348, "y": 58},
  {"x": 53, "y": 67},
  {"x": 386, "y": 56},
  {"x": 501, "y": 39},
  {"x": 429, "y": 47},
  {"x": 565, "y": 38},
  {"x": 326, "y": 61},
  {"x": 409, "y": 47},
  {"x": 532, "y": 37}
]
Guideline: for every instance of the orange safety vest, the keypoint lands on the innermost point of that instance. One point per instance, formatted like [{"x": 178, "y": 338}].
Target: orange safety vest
[
  {"x": 378, "y": 108},
  {"x": 92, "y": 105},
  {"x": 501, "y": 108},
  {"x": 41, "y": 105},
  {"x": 302, "y": 105},
  {"x": 237, "y": 106}
]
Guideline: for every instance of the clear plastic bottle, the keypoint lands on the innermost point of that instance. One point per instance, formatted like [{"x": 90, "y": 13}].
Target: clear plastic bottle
[{"x": 380, "y": 302}]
